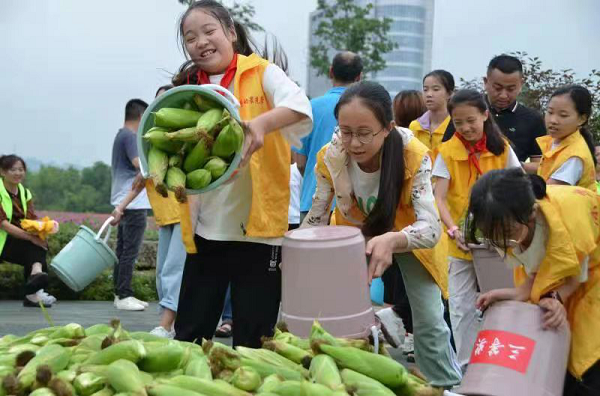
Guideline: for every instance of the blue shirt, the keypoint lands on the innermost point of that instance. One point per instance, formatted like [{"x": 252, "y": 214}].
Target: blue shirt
[{"x": 324, "y": 123}]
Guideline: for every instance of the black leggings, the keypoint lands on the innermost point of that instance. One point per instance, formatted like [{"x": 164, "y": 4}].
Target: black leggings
[
  {"x": 394, "y": 293},
  {"x": 589, "y": 386},
  {"x": 25, "y": 253}
]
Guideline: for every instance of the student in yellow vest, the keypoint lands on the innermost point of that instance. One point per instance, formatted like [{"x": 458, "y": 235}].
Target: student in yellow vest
[
  {"x": 380, "y": 176},
  {"x": 555, "y": 251},
  {"x": 568, "y": 149},
  {"x": 597, "y": 157},
  {"x": 429, "y": 128},
  {"x": 16, "y": 245},
  {"x": 477, "y": 147},
  {"x": 239, "y": 226}
]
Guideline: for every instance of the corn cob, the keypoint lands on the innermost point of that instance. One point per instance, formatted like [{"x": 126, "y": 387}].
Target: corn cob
[
  {"x": 265, "y": 369},
  {"x": 42, "y": 392},
  {"x": 132, "y": 350},
  {"x": 66, "y": 375},
  {"x": 209, "y": 121},
  {"x": 289, "y": 351},
  {"x": 176, "y": 118},
  {"x": 176, "y": 160},
  {"x": 147, "y": 337},
  {"x": 176, "y": 183},
  {"x": 362, "y": 385},
  {"x": 40, "y": 340},
  {"x": 124, "y": 376},
  {"x": 87, "y": 383},
  {"x": 190, "y": 106},
  {"x": 323, "y": 370},
  {"x": 198, "y": 179},
  {"x": 55, "y": 356},
  {"x": 197, "y": 157},
  {"x": 98, "y": 329},
  {"x": 162, "y": 358},
  {"x": 7, "y": 339},
  {"x": 158, "y": 163},
  {"x": 271, "y": 358},
  {"x": 15, "y": 350},
  {"x": 318, "y": 335},
  {"x": 198, "y": 367},
  {"x": 170, "y": 390},
  {"x": 92, "y": 343},
  {"x": 186, "y": 135},
  {"x": 72, "y": 330},
  {"x": 216, "y": 166},
  {"x": 289, "y": 388},
  {"x": 381, "y": 368},
  {"x": 246, "y": 378},
  {"x": 228, "y": 141},
  {"x": 311, "y": 389},
  {"x": 60, "y": 387},
  {"x": 204, "y": 103},
  {"x": 208, "y": 387},
  {"x": 106, "y": 391},
  {"x": 270, "y": 383},
  {"x": 159, "y": 138}
]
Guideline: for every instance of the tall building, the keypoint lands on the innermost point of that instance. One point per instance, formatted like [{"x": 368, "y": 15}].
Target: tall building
[{"x": 411, "y": 29}]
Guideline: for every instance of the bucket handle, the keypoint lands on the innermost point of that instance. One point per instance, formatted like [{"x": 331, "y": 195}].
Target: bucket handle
[
  {"x": 225, "y": 93},
  {"x": 106, "y": 224}
]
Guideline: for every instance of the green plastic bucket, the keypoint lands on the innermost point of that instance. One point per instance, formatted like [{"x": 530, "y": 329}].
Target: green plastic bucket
[
  {"x": 176, "y": 97},
  {"x": 84, "y": 258}
]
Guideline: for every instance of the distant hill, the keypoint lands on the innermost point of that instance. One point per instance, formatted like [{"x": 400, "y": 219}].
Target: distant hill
[{"x": 34, "y": 164}]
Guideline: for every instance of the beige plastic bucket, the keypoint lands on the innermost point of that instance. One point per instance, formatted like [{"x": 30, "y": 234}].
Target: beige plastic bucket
[
  {"x": 514, "y": 356},
  {"x": 324, "y": 276},
  {"x": 491, "y": 271}
]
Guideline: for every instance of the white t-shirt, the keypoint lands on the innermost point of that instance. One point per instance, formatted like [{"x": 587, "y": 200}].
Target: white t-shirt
[
  {"x": 295, "y": 186},
  {"x": 570, "y": 171},
  {"x": 222, "y": 213},
  {"x": 440, "y": 169}
]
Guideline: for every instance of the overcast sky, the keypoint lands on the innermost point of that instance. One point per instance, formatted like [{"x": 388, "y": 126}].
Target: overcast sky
[{"x": 69, "y": 66}]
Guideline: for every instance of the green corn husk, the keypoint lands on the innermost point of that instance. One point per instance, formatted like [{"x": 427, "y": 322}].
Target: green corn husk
[
  {"x": 246, "y": 378},
  {"x": 318, "y": 335},
  {"x": 222, "y": 358},
  {"x": 176, "y": 160},
  {"x": 162, "y": 359},
  {"x": 270, "y": 383},
  {"x": 209, "y": 121},
  {"x": 170, "y": 390},
  {"x": 204, "y": 103},
  {"x": 415, "y": 386},
  {"x": 291, "y": 352},
  {"x": 87, "y": 383},
  {"x": 186, "y": 135},
  {"x": 147, "y": 337},
  {"x": 311, "y": 389},
  {"x": 124, "y": 376},
  {"x": 362, "y": 385},
  {"x": 66, "y": 375},
  {"x": 216, "y": 166},
  {"x": 273, "y": 358},
  {"x": 40, "y": 340},
  {"x": 42, "y": 392},
  {"x": 55, "y": 356},
  {"x": 98, "y": 329},
  {"x": 190, "y": 106},
  {"x": 176, "y": 118},
  {"x": 198, "y": 156},
  {"x": 72, "y": 330},
  {"x": 92, "y": 343},
  {"x": 289, "y": 388},
  {"x": 208, "y": 387},
  {"x": 198, "y": 367},
  {"x": 381, "y": 368},
  {"x": 106, "y": 391},
  {"x": 15, "y": 350},
  {"x": 158, "y": 164},
  {"x": 227, "y": 142},
  {"x": 159, "y": 138},
  {"x": 176, "y": 182},
  {"x": 132, "y": 350},
  {"x": 323, "y": 370},
  {"x": 291, "y": 339},
  {"x": 198, "y": 179}
]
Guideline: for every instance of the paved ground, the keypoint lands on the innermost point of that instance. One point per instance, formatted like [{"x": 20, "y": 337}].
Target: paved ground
[{"x": 18, "y": 320}]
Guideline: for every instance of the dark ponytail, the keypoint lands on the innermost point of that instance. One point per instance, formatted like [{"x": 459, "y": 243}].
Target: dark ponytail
[
  {"x": 582, "y": 99},
  {"x": 495, "y": 140},
  {"x": 381, "y": 218},
  {"x": 243, "y": 45},
  {"x": 500, "y": 198},
  {"x": 8, "y": 161}
]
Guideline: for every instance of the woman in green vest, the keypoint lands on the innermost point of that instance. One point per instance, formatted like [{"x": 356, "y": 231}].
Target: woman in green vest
[{"x": 16, "y": 245}]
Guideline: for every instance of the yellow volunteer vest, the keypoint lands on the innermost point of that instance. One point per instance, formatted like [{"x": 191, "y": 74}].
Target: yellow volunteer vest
[
  {"x": 431, "y": 140},
  {"x": 572, "y": 146},
  {"x": 463, "y": 176},
  {"x": 434, "y": 260},
  {"x": 573, "y": 234},
  {"x": 7, "y": 206},
  {"x": 269, "y": 166}
]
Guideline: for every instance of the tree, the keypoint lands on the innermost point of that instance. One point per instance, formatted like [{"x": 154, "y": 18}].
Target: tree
[
  {"x": 540, "y": 83},
  {"x": 347, "y": 26},
  {"x": 241, "y": 12}
]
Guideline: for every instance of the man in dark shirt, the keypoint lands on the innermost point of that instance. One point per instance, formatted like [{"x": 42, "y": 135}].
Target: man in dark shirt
[{"x": 521, "y": 125}]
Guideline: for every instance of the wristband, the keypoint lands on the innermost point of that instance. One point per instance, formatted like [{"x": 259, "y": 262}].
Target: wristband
[
  {"x": 554, "y": 295},
  {"x": 451, "y": 231}
]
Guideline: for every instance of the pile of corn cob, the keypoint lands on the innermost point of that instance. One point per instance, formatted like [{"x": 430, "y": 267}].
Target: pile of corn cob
[
  {"x": 192, "y": 146},
  {"x": 105, "y": 360}
]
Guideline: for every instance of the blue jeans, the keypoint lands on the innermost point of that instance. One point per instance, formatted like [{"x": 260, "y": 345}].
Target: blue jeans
[
  {"x": 227, "y": 316},
  {"x": 169, "y": 265}
]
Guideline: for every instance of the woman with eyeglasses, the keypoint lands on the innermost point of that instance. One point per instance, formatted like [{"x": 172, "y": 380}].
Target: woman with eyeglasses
[
  {"x": 550, "y": 234},
  {"x": 380, "y": 176}
]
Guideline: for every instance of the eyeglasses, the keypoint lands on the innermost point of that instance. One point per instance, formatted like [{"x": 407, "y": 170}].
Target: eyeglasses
[{"x": 363, "y": 136}]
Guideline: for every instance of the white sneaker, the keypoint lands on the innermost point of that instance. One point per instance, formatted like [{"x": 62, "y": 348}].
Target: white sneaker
[
  {"x": 162, "y": 332},
  {"x": 129, "y": 304},
  {"x": 391, "y": 326},
  {"x": 45, "y": 297},
  {"x": 142, "y": 303},
  {"x": 409, "y": 344}
]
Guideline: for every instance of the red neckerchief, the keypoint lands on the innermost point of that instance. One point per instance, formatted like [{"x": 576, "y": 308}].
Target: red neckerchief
[
  {"x": 202, "y": 76},
  {"x": 474, "y": 149}
]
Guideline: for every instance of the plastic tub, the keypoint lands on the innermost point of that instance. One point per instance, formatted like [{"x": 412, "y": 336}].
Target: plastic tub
[
  {"x": 491, "y": 271},
  {"x": 324, "y": 275},
  {"x": 176, "y": 97}
]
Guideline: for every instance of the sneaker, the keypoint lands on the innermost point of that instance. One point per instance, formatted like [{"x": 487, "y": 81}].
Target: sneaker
[
  {"x": 129, "y": 304},
  {"x": 33, "y": 301},
  {"x": 45, "y": 297},
  {"x": 391, "y": 327},
  {"x": 409, "y": 344},
  {"x": 143, "y": 303},
  {"x": 162, "y": 332}
]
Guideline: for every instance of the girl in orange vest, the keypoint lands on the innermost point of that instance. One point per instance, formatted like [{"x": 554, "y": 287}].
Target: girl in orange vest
[
  {"x": 239, "y": 226},
  {"x": 429, "y": 128},
  {"x": 477, "y": 147},
  {"x": 568, "y": 149},
  {"x": 551, "y": 235},
  {"x": 381, "y": 179}
]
